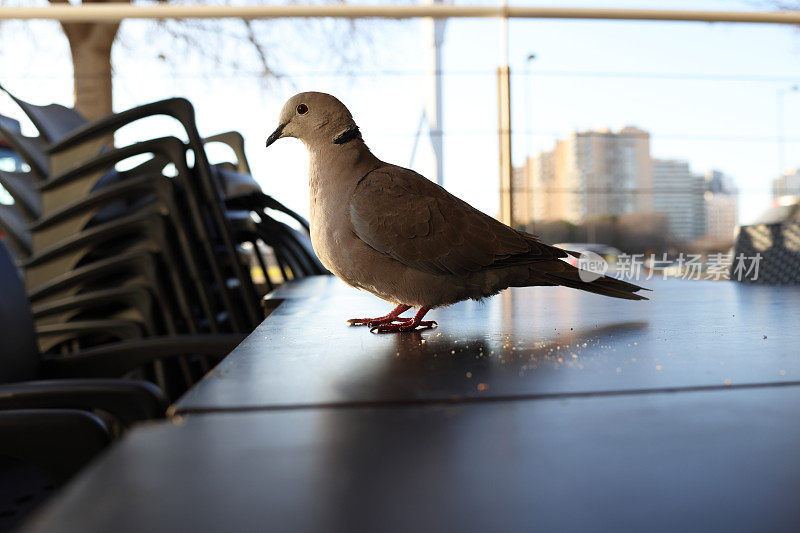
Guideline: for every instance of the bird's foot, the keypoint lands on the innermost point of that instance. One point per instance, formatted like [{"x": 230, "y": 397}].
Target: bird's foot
[
  {"x": 385, "y": 319},
  {"x": 375, "y": 321},
  {"x": 408, "y": 324},
  {"x": 367, "y": 321}
]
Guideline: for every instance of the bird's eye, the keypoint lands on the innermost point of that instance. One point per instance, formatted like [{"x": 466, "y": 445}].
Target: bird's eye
[{"x": 302, "y": 109}]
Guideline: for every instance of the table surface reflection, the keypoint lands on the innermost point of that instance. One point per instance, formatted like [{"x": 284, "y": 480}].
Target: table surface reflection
[{"x": 523, "y": 343}]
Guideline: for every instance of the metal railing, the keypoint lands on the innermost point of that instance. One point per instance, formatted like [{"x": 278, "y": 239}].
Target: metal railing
[{"x": 117, "y": 11}]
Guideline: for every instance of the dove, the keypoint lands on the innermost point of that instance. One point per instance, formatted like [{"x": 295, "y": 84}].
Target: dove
[{"x": 392, "y": 232}]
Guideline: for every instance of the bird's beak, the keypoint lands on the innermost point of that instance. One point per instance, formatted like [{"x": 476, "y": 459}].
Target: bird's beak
[{"x": 276, "y": 134}]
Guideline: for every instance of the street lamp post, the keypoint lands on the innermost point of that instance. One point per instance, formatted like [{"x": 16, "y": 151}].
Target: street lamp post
[
  {"x": 529, "y": 132},
  {"x": 529, "y": 101}
]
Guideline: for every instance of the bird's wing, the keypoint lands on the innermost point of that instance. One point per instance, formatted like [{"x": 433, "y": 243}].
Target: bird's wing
[{"x": 406, "y": 216}]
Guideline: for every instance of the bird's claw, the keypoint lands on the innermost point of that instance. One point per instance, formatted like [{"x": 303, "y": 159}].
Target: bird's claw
[
  {"x": 371, "y": 321},
  {"x": 393, "y": 316},
  {"x": 380, "y": 322},
  {"x": 407, "y": 325}
]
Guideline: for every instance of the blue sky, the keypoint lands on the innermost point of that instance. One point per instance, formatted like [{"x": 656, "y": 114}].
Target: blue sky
[{"x": 706, "y": 92}]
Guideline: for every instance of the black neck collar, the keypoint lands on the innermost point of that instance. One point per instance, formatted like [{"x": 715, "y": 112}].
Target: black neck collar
[{"x": 347, "y": 135}]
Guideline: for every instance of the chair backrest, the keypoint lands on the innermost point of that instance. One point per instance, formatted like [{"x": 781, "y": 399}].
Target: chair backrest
[
  {"x": 53, "y": 121},
  {"x": 235, "y": 141},
  {"x": 235, "y": 184},
  {"x": 19, "y": 357}
]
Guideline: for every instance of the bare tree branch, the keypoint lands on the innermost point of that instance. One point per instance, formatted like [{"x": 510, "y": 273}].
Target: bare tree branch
[{"x": 258, "y": 44}]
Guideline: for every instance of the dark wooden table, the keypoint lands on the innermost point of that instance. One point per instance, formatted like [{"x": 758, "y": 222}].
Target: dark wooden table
[{"x": 541, "y": 409}]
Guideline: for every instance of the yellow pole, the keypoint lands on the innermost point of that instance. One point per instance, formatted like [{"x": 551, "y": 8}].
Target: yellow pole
[{"x": 504, "y": 134}]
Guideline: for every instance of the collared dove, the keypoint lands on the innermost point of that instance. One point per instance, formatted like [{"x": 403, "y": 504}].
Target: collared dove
[{"x": 390, "y": 231}]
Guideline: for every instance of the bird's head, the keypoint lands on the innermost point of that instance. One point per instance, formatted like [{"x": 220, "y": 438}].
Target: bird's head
[{"x": 315, "y": 118}]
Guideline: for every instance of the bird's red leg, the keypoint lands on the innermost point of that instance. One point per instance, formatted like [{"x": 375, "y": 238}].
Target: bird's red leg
[
  {"x": 385, "y": 319},
  {"x": 406, "y": 324}
]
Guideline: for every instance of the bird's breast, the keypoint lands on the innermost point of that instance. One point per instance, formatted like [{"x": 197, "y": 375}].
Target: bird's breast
[{"x": 330, "y": 229}]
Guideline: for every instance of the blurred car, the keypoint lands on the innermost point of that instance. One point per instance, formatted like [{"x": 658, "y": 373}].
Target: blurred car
[
  {"x": 783, "y": 209},
  {"x": 9, "y": 160}
]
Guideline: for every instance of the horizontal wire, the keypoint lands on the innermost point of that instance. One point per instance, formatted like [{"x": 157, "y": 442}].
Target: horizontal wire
[
  {"x": 621, "y": 192},
  {"x": 652, "y": 136}
]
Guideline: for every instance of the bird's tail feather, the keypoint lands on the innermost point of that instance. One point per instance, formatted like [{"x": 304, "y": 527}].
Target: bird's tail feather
[{"x": 605, "y": 285}]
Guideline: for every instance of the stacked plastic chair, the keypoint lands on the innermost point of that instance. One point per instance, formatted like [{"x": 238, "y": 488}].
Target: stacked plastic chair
[
  {"x": 51, "y": 426},
  {"x": 150, "y": 252}
]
